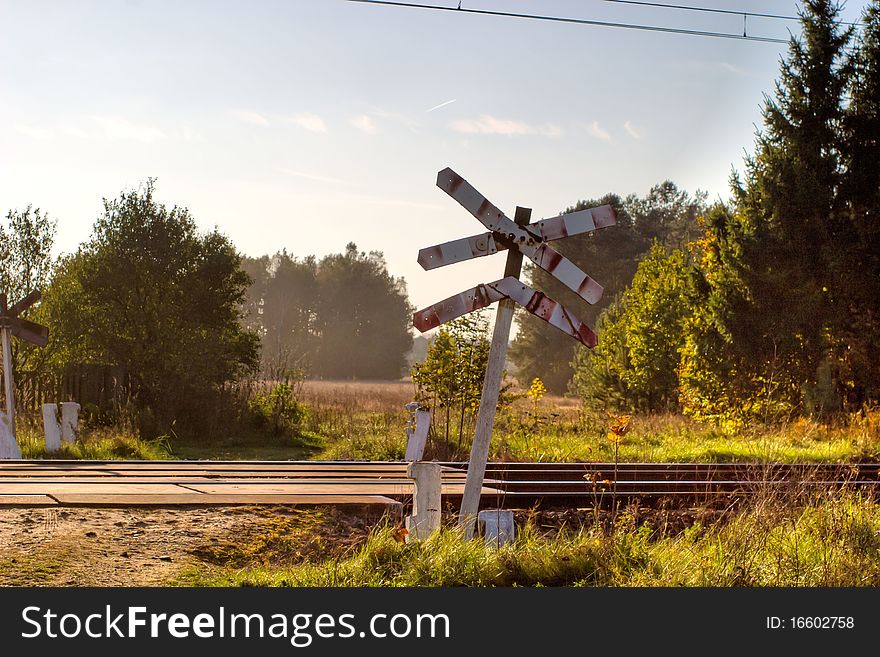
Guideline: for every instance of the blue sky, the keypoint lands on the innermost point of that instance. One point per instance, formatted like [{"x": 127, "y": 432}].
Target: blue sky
[{"x": 307, "y": 124}]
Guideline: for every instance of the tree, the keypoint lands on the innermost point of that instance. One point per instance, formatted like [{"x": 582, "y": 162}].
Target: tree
[
  {"x": 857, "y": 349},
  {"x": 290, "y": 312},
  {"x": 635, "y": 365},
  {"x": 26, "y": 264},
  {"x": 449, "y": 382},
  {"x": 150, "y": 293},
  {"x": 774, "y": 265},
  {"x": 363, "y": 317}
]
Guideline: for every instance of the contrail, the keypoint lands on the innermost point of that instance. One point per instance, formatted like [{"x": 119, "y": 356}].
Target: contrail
[{"x": 436, "y": 107}]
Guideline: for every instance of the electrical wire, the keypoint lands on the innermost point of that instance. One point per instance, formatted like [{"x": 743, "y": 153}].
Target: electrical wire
[
  {"x": 577, "y": 21},
  {"x": 711, "y": 10}
]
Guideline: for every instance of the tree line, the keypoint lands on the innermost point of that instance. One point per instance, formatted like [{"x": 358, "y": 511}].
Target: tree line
[
  {"x": 766, "y": 305},
  {"x": 184, "y": 315}
]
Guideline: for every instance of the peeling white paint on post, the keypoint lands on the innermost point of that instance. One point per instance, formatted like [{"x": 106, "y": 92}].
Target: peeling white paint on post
[
  {"x": 69, "y": 421},
  {"x": 9, "y": 388},
  {"x": 8, "y": 445},
  {"x": 51, "y": 427},
  {"x": 12, "y": 324},
  {"x": 470, "y": 501},
  {"x": 417, "y": 434},
  {"x": 425, "y": 519}
]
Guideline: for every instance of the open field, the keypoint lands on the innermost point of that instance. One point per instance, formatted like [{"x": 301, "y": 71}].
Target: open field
[{"x": 367, "y": 421}]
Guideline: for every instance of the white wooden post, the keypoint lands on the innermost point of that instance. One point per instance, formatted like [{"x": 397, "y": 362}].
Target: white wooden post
[
  {"x": 7, "y": 379},
  {"x": 470, "y": 501},
  {"x": 9, "y": 448},
  {"x": 417, "y": 434},
  {"x": 69, "y": 421},
  {"x": 51, "y": 427},
  {"x": 8, "y": 445},
  {"x": 425, "y": 519}
]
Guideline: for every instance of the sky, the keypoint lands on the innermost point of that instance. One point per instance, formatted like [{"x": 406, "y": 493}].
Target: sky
[{"x": 308, "y": 124}]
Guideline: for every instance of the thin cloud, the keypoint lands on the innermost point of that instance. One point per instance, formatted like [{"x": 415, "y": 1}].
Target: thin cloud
[
  {"x": 309, "y": 121},
  {"x": 364, "y": 123},
  {"x": 633, "y": 131},
  {"x": 598, "y": 132},
  {"x": 730, "y": 68},
  {"x": 313, "y": 177},
  {"x": 443, "y": 104},
  {"x": 117, "y": 127},
  {"x": 32, "y": 131},
  {"x": 490, "y": 125},
  {"x": 550, "y": 130},
  {"x": 254, "y": 118},
  {"x": 397, "y": 117}
]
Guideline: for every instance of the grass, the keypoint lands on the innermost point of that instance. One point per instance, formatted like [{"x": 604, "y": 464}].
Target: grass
[
  {"x": 671, "y": 438},
  {"x": 367, "y": 421},
  {"x": 104, "y": 444},
  {"x": 832, "y": 541}
]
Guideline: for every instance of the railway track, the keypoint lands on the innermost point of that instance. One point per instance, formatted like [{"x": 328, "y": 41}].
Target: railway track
[{"x": 510, "y": 485}]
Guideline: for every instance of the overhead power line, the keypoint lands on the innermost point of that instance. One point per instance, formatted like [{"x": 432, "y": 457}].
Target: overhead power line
[
  {"x": 710, "y": 10},
  {"x": 577, "y": 21}
]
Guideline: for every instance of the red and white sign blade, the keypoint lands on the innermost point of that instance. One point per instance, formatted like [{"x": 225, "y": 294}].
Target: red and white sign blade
[
  {"x": 472, "y": 201},
  {"x": 458, "y": 250},
  {"x": 545, "y": 308},
  {"x": 564, "y": 270},
  {"x": 574, "y": 223},
  {"x": 461, "y": 304}
]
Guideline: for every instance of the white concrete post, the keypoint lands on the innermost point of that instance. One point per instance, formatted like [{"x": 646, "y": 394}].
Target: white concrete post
[
  {"x": 425, "y": 519},
  {"x": 69, "y": 421},
  {"x": 417, "y": 435},
  {"x": 51, "y": 427},
  {"x": 8, "y": 445}
]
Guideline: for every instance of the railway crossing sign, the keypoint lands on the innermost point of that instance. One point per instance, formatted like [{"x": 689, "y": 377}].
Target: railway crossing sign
[
  {"x": 12, "y": 324},
  {"x": 521, "y": 239}
]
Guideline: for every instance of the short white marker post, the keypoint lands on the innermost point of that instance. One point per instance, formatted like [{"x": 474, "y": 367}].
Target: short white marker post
[
  {"x": 425, "y": 519},
  {"x": 51, "y": 427},
  {"x": 498, "y": 527},
  {"x": 417, "y": 433},
  {"x": 69, "y": 421},
  {"x": 8, "y": 445}
]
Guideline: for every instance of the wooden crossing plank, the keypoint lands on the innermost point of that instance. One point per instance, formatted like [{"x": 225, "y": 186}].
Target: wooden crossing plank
[
  {"x": 27, "y": 500},
  {"x": 344, "y": 488},
  {"x": 184, "y": 498},
  {"x": 84, "y": 488}
]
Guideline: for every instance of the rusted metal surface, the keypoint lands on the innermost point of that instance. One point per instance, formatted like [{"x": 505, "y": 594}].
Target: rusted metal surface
[
  {"x": 466, "y": 248},
  {"x": 529, "y": 240},
  {"x": 574, "y": 223},
  {"x": 542, "y": 306},
  {"x": 456, "y": 306},
  {"x": 533, "y": 301}
]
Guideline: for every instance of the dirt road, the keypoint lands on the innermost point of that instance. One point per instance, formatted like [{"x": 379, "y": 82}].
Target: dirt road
[{"x": 154, "y": 546}]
